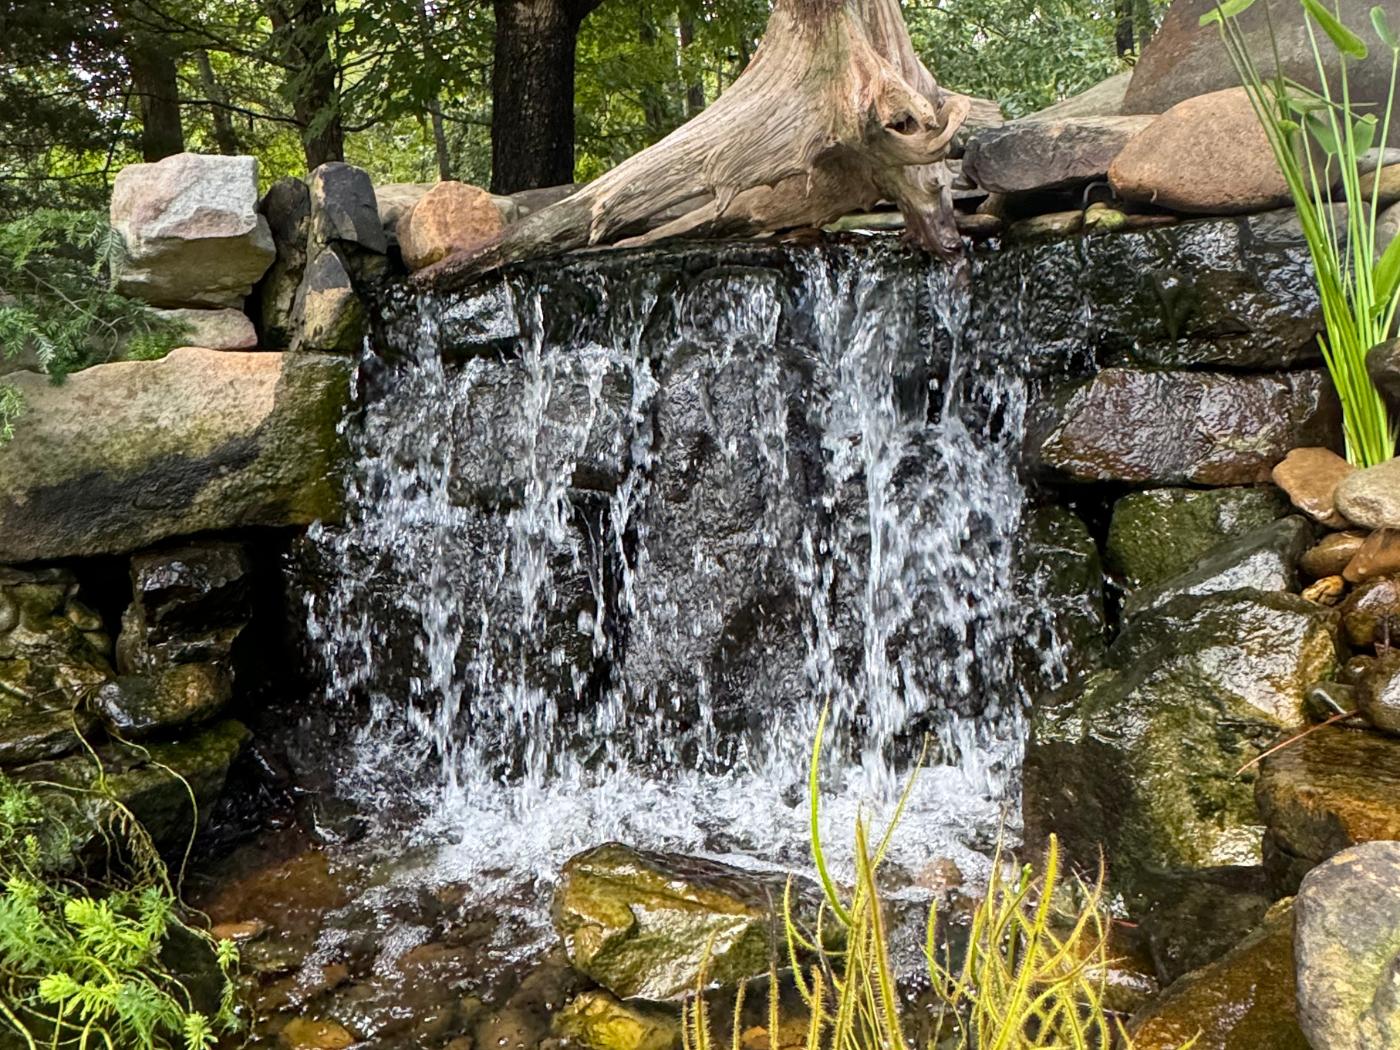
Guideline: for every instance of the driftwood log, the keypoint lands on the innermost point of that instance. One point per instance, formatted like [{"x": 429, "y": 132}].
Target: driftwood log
[{"x": 834, "y": 114}]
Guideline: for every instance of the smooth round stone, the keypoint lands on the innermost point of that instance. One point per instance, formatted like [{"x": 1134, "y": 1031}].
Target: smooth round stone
[
  {"x": 1331, "y": 555},
  {"x": 1371, "y": 613},
  {"x": 1379, "y": 693},
  {"x": 1371, "y": 497}
]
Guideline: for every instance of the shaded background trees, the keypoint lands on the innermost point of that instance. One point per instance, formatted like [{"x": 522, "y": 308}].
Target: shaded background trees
[{"x": 510, "y": 93}]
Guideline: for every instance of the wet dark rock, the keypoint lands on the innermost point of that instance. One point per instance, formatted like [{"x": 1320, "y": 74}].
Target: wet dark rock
[
  {"x": 343, "y": 208},
  {"x": 1192, "y": 918},
  {"x": 599, "y": 1021},
  {"x": 1331, "y": 790},
  {"x": 287, "y": 207},
  {"x": 1244, "y": 1001},
  {"x": 1025, "y": 156},
  {"x": 1348, "y": 949},
  {"x": 640, "y": 923},
  {"x": 1062, "y": 573},
  {"x": 1161, "y": 533},
  {"x": 523, "y": 1020},
  {"x": 1331, "y": 554},
  {"x": 1264, "y": 560},
  {"x": 1378, "y": 692},
  {"x": 1310, "y": 477},
  {"x": 1383, "y": 366},
  {"x": 1143, "y": 758},
  {"x": 1371, "y": 497},
  {"x": 1168, "y": 428},
  {"x": 199, "y": 441},
  {"x": 1371, "y": 613},
  {"x": 164, "y": 699},
  {"x": 190, "y": 604},
  {"x": 1326, "y": 699},
  {"x": 48, "y": 665}
]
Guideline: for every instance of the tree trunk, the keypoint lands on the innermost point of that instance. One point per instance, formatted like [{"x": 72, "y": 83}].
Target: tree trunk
[
  {"x": 834, "y": 114},
  {"x": 532, "y": 92},
  {"x": 425, "y": 33},
  {"x": 224, "y": 136},
  {"x": 694, "y": 92},
  {"x": 155, "y": 83},
  {"x": 312, "y": 81}
]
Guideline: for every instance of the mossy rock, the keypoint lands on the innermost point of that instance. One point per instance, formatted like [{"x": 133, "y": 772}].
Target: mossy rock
[
  {"x": 600, "y": 1021},
  {"x": 1143, "y": 757},
  {"x": 1161, "y": 533},
  {"x": 1247, "y": 1000},
  {"x": 643, "y": 924},
  {"x": 124, "y": 455}
]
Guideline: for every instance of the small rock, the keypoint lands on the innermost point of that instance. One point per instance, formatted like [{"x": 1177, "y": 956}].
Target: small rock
[
  {"x": 451, "y": 217},
  {"x": 168, "y": 698},
  {"x": 600, "y": 1021},
  {"x": 1310, "y": 477},
  {"x": 1025, "y": 156},
  {"x": 239, "y": 932},
  {"x": 189, "y": 605},
  {"x": 1371, "y": 613},
  {"x": 1101, "y": 218},
  {"x": 1207, "y": 155},
  {"x": 1326, "y": 591},
  {"x": 1244, "y": 1001},
  {"x": 1331, "y": 554},
  {"x": 308, "y": 1034},
  {"x": 1348, "y": 949},
  {"x": 1050, "y": 226},
  {"x": 1378, "y": 556},
  {"x": 1327, "y": 699},
  {"x": 1389, "y": 178},
  {"x": 213, "y": 329},
  {"x": 1370, "y": 498},
  {"x": 940, "y": 876},
  {"x": 1378, "y": 693},
  {"x": 1264, "y": 560}
]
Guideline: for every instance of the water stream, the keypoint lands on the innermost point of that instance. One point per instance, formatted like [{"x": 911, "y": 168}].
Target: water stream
[{"x": 621, "y": 529}]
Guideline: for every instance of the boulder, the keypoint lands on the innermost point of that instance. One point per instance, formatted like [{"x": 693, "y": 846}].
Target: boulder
[
  {"x": 450, "y": 217},
  {"x": 1185, "y": 59},
  {"x": 201, "y": 440},
  {"x": 1104, "y": 99},
  {"x": 1038, "y": 154},
  {"x": 164, "y": 700},
  {"x": 328, "y": 315},
  {"x": 1371, "y": 497},
  {"x": 1144, "y": 758},
  {"x": 1205, "y": 156},
  {"x": 190, "y": 604},
  {"x": 641, "y": 923},
  {"x": 1379, "y": 555},
  {"x": 1310, "y": 477},
  {"x": 344, "y": 209},
  {"x": 395, "y": 200},
  {"x": 1168, "y": 428},
  {"x": 1264, "y": 560},
  {"x": 599, "y": 1021},
  {"x": 1161, "y": 533},
  {"x": 1331, "y": 790},
  {"x": 1244, "y": 1001},
  {"x": 51, "y": 658},
  {"x": 1061, "y": 575},
  {"x": 1371, "y": 613},
  {"x": 1347, "y": 946},
  {"x": 190, "y": 231},
  {"x": 1332, "y": 554},
  {"x": 213, "y": 329},
  {"x": 287, "y": 206}
]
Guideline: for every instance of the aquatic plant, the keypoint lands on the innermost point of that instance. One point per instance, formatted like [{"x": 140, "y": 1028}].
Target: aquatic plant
[
  {"x": 98, "y": 968},
  {"x": 1028, "y": 977},
  {"x": 1319, "y": 139}
]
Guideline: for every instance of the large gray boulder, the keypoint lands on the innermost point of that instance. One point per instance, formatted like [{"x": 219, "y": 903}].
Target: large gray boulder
[
  {"x": 190, "y": 230},
  {"x": 124, "y": 455},
  {"x": 1167, "y": 428},
  {"x": 1347, "y": 949},
  {"x": 1186, "y": 59},
  {"x": 1047, "y": 154}
]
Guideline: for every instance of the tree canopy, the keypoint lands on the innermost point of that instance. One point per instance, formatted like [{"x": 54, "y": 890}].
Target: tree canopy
[{"x": 408, "y": 88}]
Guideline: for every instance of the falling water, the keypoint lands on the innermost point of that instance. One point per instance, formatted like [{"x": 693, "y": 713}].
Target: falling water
[{"x": 620, "y": 530}]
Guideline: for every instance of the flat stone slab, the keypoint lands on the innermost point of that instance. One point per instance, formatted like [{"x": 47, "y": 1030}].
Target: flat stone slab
[
  {"x": 124, "y": 455},
  {"x": 1025, "y": 156}
]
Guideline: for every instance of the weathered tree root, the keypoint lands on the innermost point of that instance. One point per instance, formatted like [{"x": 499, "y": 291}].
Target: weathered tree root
[{"x": 834, "y": 114}]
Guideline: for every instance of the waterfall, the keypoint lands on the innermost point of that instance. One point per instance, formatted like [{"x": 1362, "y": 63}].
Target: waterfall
[{"x": 620, "y": 529}]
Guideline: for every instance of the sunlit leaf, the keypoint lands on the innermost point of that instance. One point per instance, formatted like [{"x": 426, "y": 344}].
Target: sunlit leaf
[{"x": 1348, "y": 43}]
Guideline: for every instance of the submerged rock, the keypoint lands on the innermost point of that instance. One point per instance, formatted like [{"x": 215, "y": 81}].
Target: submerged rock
[
  {"x": 1245, "y": 1001},
  {"x": 598, "y": 1021},
  {"x": 199, "y": 441},
  {"x": 1348, "y": 949},
  {"x": 641, "y": 924},
  {"x": 1167, "y": 428},
  {"x": 1264, "y": 560},
  {"x": 1144, "y": 758},
  {"x": 1161, "y": 533},
  {"x": 1192, "y": 918},
  {"x": 1324, "y": 793}
]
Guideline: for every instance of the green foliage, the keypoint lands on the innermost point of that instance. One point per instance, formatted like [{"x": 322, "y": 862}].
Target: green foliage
[
  {"x": 78, "y": 970},
  {"x": 56, "y": 303},
  {"x": 1318, "y": 139}
]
